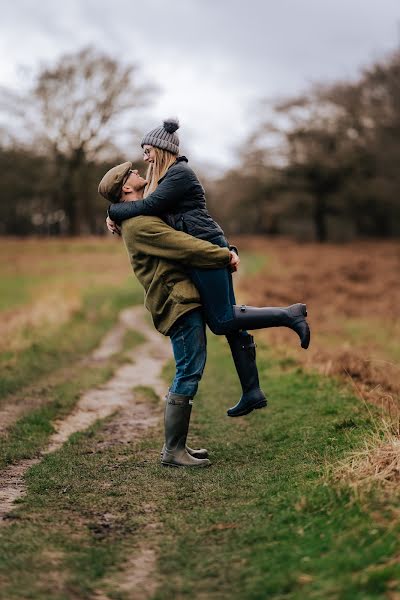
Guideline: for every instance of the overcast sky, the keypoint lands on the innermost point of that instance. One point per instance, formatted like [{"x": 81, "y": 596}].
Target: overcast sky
[{"x": 212, "y": 59}]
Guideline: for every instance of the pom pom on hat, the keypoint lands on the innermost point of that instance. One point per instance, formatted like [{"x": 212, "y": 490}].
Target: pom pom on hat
[{"x": 171, "y": 124}]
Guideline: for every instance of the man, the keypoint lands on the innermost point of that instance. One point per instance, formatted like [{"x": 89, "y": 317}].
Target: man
[{"x": 157, "y": 254}]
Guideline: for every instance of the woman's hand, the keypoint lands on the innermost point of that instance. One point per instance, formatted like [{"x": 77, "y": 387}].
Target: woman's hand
[
  {"x": 113, "y": 227},
  {"x": 234, "y": 262}
]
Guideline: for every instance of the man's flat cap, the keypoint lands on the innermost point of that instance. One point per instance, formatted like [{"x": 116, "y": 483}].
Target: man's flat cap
[{"x": 110, "y": 187}]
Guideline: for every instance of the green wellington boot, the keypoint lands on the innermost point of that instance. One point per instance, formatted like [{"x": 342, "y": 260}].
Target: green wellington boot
[
  {"x": 177, "y": 418},
  {"x": 196, "y": 452}
]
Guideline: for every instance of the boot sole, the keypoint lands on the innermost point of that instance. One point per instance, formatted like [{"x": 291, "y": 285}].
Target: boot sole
[
  {"x": 194, "y": 456},
  {"x": 247, "y": 411},
  {"x": 202, "y": 457},
  {"x": 165, "y": 464}
]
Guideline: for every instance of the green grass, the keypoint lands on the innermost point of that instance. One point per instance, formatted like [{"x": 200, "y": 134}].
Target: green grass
[
  {"x": 17, "y": 289},
  {"x": 29, "y": 434},
  {"x": 131, "y": 338},
  {"x": 30, "y": 268},
  {"x": 69, "y": 342},
  {"x": 263, "y": 522},
  {"x": 252, "y": 263}
]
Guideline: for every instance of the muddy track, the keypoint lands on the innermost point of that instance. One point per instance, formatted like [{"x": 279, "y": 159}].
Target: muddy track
[{"x": 143, "y": 369}]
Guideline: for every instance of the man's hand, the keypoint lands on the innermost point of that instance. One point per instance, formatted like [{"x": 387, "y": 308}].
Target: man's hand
[
  {"x": 234, "y": 262},
  {"x": 113, "y": 227}
]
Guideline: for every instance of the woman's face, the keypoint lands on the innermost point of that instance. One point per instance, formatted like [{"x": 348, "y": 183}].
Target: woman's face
[{"x": 149, "y": 154}]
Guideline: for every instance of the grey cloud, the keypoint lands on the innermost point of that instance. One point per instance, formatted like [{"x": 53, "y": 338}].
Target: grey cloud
[{"x": 245, "y": 50}]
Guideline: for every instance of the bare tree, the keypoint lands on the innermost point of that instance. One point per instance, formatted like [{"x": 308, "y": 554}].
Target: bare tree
[
  {"x": 338, "y": 148},
  {"x": 73, "y": 114}
]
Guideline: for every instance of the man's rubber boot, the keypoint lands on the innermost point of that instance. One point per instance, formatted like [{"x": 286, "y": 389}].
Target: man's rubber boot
[
  {"x": 195, "y": 452},
  {"x": 243, "y": 351},
  {"x": 250, "y": 317},
  {"x": 177, "y": 418}
]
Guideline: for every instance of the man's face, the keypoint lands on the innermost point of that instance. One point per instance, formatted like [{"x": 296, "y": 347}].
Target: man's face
[{"x": 135, "y": 181}]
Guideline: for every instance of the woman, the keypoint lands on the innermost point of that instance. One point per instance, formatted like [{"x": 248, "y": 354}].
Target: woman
[{"x": 175, "y": 193}]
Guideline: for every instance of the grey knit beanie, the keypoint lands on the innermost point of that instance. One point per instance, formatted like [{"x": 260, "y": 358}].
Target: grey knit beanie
[{"x": 164, "y": 137}]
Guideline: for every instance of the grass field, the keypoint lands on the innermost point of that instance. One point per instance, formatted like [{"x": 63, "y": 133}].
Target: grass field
[
  {"x": 352, "y": 292},
  {"x": 281, "y": 514}
]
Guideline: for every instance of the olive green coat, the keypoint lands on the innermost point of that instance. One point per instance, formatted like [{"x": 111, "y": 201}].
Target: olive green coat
[{"x": 159, "y": 255}]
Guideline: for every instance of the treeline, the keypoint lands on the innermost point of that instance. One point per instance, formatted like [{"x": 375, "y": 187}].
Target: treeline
[
  {"x": 323, "y": 166},
  {"x": 60, "y": 139},
  {"x": 38, "y": 198}
]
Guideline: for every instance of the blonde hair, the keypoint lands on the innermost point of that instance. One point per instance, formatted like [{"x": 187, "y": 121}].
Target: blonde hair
[{"x": 163, "y": 160}]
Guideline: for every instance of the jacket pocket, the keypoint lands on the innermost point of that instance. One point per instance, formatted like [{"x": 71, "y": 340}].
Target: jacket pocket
[
  {"x": 182, "y": 292},
  {"x": 180, "y": 224}
]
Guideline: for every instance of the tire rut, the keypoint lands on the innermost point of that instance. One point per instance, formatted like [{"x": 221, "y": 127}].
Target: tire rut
[{"x": 144, "y": 369}]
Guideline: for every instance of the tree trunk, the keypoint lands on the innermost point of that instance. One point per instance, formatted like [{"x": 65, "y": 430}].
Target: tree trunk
[
  {"x": 72, "y": 192},
  {"x": 319, "y": 216}
]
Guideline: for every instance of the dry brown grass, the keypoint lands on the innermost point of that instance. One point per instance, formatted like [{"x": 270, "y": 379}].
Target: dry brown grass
[
  {"x": 352, "y": 293},
  {"x": 350, "y": 279},
  {"x": 377, "y": 462},
  {"x": 353, "y": 298},
  {"x": 44, "y": 282}
]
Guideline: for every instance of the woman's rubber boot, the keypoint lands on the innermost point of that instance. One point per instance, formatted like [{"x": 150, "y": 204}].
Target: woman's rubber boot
[
  {"x": 177, "y": 418},
  {"x": 243, "y": 351},
  {"x": 250, "y": 317}
]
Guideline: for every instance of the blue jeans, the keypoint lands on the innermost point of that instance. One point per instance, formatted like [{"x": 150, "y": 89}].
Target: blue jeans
[
  {"x": 217, "y": 295},
  {"x": 189, "y": 344}
]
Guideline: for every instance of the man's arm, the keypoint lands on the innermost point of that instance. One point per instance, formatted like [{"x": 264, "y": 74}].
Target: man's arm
[
  {"x": 156, "y": 238},
  {"x": 164, "y": 198}
]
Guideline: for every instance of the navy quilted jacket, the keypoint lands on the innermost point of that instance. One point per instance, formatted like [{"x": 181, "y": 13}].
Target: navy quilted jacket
[{"x": 179, "y": 199}]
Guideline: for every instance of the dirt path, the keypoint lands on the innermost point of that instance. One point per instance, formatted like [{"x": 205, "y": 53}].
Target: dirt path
[{"x": 144, "y": 369}]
